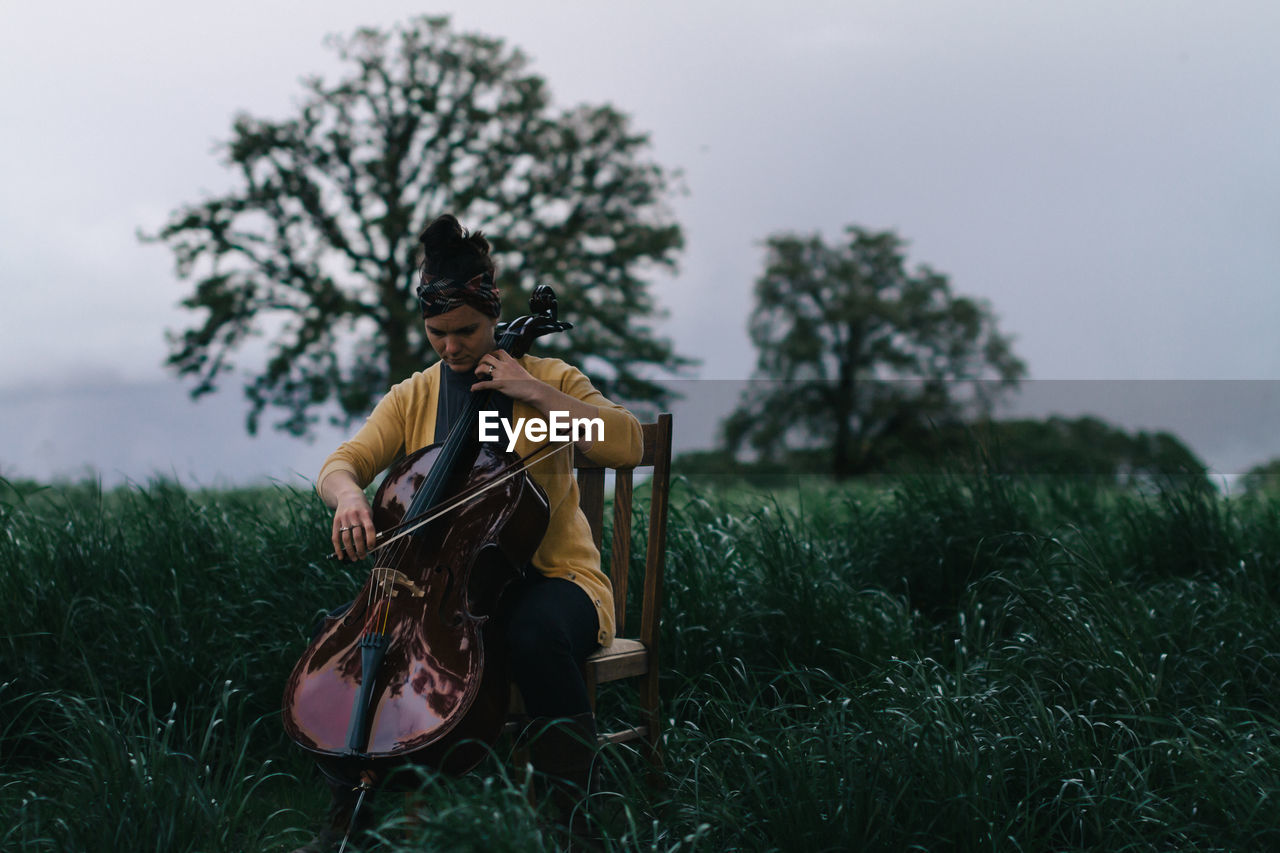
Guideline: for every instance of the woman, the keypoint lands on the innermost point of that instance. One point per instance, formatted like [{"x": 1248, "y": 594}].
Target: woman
[{"x": 559, "y": 613}]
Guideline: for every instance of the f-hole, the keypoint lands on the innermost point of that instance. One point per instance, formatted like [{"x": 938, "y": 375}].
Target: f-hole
[{"x": 446, "y": 593}]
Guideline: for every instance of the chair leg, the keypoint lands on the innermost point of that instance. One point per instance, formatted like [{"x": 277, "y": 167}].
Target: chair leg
[
  {"x": 589, "y": 677},
  {"x": 653, "y": 722}
]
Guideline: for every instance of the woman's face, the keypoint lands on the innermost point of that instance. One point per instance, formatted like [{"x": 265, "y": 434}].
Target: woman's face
[{"x": 461, "y": 336}]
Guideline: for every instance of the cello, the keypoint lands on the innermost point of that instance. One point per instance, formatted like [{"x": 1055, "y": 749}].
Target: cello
[{"x": 412, "y": 672}]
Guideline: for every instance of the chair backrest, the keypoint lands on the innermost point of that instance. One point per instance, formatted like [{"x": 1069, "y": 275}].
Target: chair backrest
[{"x": 591, "y": 483}]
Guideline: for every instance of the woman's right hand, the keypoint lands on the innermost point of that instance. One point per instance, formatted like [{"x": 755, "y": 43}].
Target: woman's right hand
[{"x": 353, "y": 531}]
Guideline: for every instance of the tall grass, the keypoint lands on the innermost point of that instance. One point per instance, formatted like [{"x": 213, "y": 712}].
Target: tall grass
[{"x": 960, "y": 661}]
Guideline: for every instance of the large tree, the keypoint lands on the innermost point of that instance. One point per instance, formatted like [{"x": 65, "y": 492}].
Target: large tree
[
  {"x": 314, "y": 251},
  {"x": 855, "y": 347}
]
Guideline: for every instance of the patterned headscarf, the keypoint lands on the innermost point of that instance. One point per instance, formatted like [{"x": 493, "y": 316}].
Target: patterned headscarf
[{"x": 439, "y": 295}]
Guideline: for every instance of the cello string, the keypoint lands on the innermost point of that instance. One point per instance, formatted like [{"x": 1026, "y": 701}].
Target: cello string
[
  {"x": 451, "y": 450},
  {"x": 453, "y": 447},
  {"x": 453, "y": 443}
]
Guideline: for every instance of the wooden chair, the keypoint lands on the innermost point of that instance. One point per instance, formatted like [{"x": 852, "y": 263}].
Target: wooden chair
[
  {"x": 625, "y": 658},
  {"x": 632, "y": 658}
]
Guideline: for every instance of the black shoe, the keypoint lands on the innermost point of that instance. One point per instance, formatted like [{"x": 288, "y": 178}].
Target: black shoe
[{"x": 563, "y": 752}]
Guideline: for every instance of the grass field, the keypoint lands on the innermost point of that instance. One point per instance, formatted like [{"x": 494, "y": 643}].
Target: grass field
[{"x": 950, "y": 662}]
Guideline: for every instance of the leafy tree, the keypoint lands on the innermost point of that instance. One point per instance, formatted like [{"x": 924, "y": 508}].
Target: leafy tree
[
  {"x": 1262, "y": 480},
  {"x": 315, "y": 249},
  {"x": 856, "y": 348}
]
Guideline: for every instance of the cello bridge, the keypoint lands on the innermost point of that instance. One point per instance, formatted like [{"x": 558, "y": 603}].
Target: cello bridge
[{"x": 392, "y": 582}]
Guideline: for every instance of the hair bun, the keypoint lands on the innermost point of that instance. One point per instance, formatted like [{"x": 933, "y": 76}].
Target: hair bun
[
  {"x": 448, "y": 249},
  {"x": 445, "y": 234}
]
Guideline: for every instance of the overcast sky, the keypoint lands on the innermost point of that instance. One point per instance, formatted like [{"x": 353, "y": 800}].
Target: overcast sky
[{"x": 1105, "y": 174}]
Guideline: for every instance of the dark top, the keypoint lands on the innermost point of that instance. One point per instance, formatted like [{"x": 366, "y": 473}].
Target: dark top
[{"x": 455, "y": 394}]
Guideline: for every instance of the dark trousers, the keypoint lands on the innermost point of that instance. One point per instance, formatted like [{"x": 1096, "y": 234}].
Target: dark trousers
[{"x": 551, "y": 627}]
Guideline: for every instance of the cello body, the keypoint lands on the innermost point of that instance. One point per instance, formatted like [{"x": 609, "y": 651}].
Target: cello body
[{"x": 441, "y": 691}]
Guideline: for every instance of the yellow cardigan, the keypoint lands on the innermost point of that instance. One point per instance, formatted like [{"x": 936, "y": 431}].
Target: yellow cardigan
[{"x": 405, "y": 421}]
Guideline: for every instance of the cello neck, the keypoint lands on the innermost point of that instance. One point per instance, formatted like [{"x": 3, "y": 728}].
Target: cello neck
[{"x": 462, "y": 445}]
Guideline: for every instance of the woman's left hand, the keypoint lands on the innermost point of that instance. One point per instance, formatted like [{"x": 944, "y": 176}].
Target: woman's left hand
[{"x": 503, "y": 373}]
